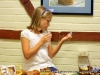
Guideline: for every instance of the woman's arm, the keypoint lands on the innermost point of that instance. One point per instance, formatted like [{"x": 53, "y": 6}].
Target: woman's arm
[
  {"x": 26, "y": 47},
  {"x": 52, "y": 52}
]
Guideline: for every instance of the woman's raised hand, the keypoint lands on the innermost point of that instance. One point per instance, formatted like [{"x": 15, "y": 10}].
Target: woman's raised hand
[
  {"x": 46, "y": 38},
  {"x": 67, "y": 37}
]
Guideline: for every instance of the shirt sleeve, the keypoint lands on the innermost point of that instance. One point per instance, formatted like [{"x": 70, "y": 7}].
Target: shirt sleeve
[{"x": 24, "y": 33}]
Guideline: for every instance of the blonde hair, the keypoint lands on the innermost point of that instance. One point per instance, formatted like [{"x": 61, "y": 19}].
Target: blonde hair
[{"x": 39, "y": 12}]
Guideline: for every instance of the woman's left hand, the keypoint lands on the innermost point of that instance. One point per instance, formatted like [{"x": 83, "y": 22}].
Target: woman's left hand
[{"x": 67, "y": 37}]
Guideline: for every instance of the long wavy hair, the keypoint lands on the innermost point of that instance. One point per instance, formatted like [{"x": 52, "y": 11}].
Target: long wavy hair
[{"x": 39, "y": 12}]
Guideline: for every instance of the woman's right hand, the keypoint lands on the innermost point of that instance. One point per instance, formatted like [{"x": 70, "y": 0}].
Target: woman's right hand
[{"x": 46, "y": 38}]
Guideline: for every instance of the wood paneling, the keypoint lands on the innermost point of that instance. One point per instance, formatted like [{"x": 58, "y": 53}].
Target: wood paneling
[
  {"x": 55, "y": 36},
  {"x": 28, "y": 6},
  {"x": 12, "y": 34},
  {"x": 83, "y": 36},
  {"x": 77, "y": 36},
  {"x": 9, "y": 34}
]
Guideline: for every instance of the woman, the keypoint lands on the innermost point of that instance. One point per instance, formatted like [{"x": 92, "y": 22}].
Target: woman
[{"x": 36, "y": 46}]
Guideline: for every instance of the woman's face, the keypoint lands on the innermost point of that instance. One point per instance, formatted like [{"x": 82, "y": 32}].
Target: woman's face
[{"x": 45, "y": 22}]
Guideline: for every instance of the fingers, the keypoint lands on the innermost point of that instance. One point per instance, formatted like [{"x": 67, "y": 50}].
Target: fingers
[
  {"x": 48, "y": 37},
  {"x": 69, "y": 35}
]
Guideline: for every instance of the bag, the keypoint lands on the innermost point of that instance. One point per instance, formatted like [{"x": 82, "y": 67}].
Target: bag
[
  {"x": 7, "y": 70},
  {"x": 10, "y": 70},
  {"x": 84, "y": 65}
]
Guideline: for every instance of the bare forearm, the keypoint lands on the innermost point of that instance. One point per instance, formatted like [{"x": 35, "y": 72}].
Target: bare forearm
[
  {"x": 33, "y": 50},
  {"x": 56, "y": 49}
]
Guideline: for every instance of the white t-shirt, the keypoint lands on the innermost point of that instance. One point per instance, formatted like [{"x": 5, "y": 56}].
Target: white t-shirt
[{"x": 40, "y": 59}]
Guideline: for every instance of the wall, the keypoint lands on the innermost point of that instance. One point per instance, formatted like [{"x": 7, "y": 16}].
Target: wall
[{"x": 14, "y": 17}]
